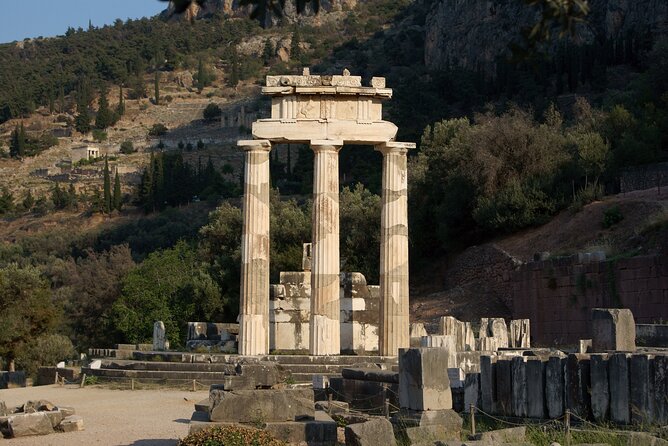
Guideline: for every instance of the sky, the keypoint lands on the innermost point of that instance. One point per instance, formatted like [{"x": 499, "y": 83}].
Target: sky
[{"x": 47, "y": 18}]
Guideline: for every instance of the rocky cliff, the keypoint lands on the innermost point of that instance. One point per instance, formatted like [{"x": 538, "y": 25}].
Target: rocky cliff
[{"x": 474, "y": 33}]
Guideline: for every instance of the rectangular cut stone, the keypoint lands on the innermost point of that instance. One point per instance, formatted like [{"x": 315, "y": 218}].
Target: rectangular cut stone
[
  {"x": 451, "y": 326},
  {"x": 268, "y": 405},
  {"x": 600, "y": 388},
  {"x": 520, "y": 333},
  {"x": 535, "y": 376},
  {"x": 661, "y": 389},
  {"x": 618, "y": 372},
  {"x": 471, "y": 391},
  {"x": 486, "y": 344},
  {"x": 613, "y": 329},
  {"x": 423, "y": 379},
  {"x": 496, "y": 328},
  {"x": 585, "y": 346},
  {"x": 577, "y": 385},
  {"x": 488, "y": 383},
  {"x": 447, "y": 343},
  {"x": 642, "y": 395},
  {"x": 28, "y": 424},
  {"x": 554, "y": 387},
  {"x": 519, "y": 389},
  {"x": 504, "y": 381}
]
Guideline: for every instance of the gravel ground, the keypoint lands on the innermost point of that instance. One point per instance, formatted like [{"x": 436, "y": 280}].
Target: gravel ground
[{"x": 112, "y": 417}]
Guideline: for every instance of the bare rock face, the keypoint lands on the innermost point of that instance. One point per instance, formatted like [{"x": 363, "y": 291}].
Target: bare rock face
[{"x": 475, "y": 34}]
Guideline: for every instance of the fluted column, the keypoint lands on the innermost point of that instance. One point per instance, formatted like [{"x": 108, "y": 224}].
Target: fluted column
[
  {"x": 324, "y": 338},
  {"x": 394, "y": 320},
  {"x": 254, "y": 306}
]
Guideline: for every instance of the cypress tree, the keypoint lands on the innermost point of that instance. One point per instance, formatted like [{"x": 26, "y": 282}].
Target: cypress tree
[
  {"x": 71, "y": 196},
  {"x": 104, "y": 116},
  {"x": 146, "y": 187},
  {"x": 201, "y": 76},
  {"x": 82, "y": 121},
  {"x": 17, "y": 146},
  {"x": 117, "y": 198},
  {"x": 268, "y": 52},
  {"x": 120, "y": 108},
  {"x": 106, "y": 204},
  {"x": 28, "y": 201},
  {"x": 295, "y": 48},
  {"x": 156, "y": 85},
  {"x": 61, "y": 99}
]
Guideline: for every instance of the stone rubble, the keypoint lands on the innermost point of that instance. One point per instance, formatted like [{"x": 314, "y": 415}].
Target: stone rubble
[{"x": 37, "y": 418}]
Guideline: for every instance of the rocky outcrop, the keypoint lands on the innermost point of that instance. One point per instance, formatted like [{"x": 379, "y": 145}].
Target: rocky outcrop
[{"x": 474, "y": 34}]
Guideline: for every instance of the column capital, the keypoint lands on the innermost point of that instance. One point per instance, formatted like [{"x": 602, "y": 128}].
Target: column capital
[
  {"x": 318, "y": 145},
  {"x": 395, "y": 147},
  {"x": 263, "y": 145}
]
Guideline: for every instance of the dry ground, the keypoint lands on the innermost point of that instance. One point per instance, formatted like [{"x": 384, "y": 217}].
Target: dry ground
[{"x": 113, "y": 417}]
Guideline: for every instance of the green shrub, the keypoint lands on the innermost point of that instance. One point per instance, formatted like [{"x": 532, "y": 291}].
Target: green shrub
[
  {"x": 230, "y": 436},
  {"x": 99, "y": 135},
  {"x": 157, "y": 130},
  {"x": 212, "y": 112},
  {"x": 47, "y": 350},
  {"x": 127, "y": 147},
  {"x": 612, "y": 216}
]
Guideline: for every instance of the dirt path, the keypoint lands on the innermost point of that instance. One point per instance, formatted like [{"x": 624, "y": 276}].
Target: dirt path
[{"x": 113, "y": 417}]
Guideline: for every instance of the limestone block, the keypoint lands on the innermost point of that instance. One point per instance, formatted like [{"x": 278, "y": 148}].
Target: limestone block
[
  {"x": 269, "y": 405},
  {"x": 642, "y": 390},
  {"x": 577, "y": 385},
  {"x": 519, "y": 402},
  {"x": 457, "y": 377},
  {"x": 535, "y": 379},
  {"x": 613, "y": 329},
  {"x": 235, "y": 382},
  {"x": 364, "y": 395},
  {"x": 471, "y": 391},
  {"x": 320, "y": 432},
  {"x": 370, "y": 374},
  {"x": 504, "y": 387},
  {"x": 423, "y": 379},
  {"x": 417, "y": 331},
  {"x": 554, "y": 387},
  {"x": 72, "y": 423},
  {"x": 451, "y": 326},
  {"x": 600, "y": 388},
  {"x": 585, "y": 346},
  {"x": 496, "y": 328},
  {"x": 469, "y": 361},
  {"x": 263, "y": 373},
  {"x": 486, "y": 344},
  {"x": 661, "y": 389},
  {"x": 488, "y": 383},
  {"x": 160, "y": 342},
  {"x": 520, "y": 333},
  {"x": 377, "y": 431},
  {"x": 469, "y": 337},
  {"x": 618, "y": 372},
  {"x": 501, "y": 436},
  {"x": 448, "y": 423},
  {"x": 55, "y": 416},
  {"x": 3, "y": 409},
  {"x": 27, "y": 424},
  {"x": 448, "y": 343},
  {"x": 277, "y": 292}
]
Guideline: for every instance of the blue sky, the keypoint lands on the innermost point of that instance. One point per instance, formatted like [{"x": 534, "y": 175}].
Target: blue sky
[{"x": 33, "y": 18}]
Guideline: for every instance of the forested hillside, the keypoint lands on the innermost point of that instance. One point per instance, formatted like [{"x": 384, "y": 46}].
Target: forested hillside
[{"x": 500, "y": 149}]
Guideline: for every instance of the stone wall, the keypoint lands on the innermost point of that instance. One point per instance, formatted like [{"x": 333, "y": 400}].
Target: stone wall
[
  {"x": 644, "y": 177},
  {"x": 558, "y": 295}
]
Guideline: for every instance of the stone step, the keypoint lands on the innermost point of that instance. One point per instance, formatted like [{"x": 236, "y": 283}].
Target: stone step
[
  {"x": 168, "y": 366},
  {"x": 154, "y": 374}
]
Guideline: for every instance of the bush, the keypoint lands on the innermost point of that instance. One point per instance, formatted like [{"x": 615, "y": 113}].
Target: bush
[
  {"x": 99, "y": 135},
  {"x": 127, "y": 147},
  {"x": 612, "y": 216},
  {"x": 157, "y": 130},
  {"x": 47, "y": 350},
  {"x": 212, "y": 112},
  {"x": 230, "y": 436}
]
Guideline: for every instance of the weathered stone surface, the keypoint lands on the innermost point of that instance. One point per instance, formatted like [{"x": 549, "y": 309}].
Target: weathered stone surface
[
  {"x": 613, "y": 329},
  {"x": 446, "y": 424},
  {"x": 554, "y": 387},
  {"x": 488, "y": 383},
  {"x": 447, "y": 342},
  {"x": 460, "y": 330},
  {"x": 577, "y": 384},
  {"x": 248, "y": 406},
  {"x": 235, "y": 382},
  {"x": 661, "y": 389},
  {"x": 652, "y": 335},
  {"x": 23, "y": 425},
  {"x": 72, "y": 423},
  {"x": 423, "y": 379},
  {"x": 642, "y": 394},
  {"x": 504, "y": 387},
  {"x": 519, "y": 389},
  {"x": 486, "y": 344},
  {"x": 319, "y": 432},
  {"x": 496, "y": 328},
  {"x": 67, "y": 411},
  {"x": 160, "y": 342},
  {"x": 336, "y": 407},
  {"x": 618, "y": 372},
  {"x": 3, "y": 409},
  {"x": 510, "y": 435},
  {"x": 12, "y": 380},
  {"x": 471, "y": 391},
  {"x": 520, "y": 333},
  {"x": 55, "y": 416},
  {"x": 644, "y": 439},
  {"x": 263, "y": 373},
  {"x": 535, "y": 379},
  {"x": 377, "y": 431},
  {"x": 377, "y": 375},
  {"x": 417, "y": 331},
  {"x": 600, "y": 388},
  {"x": 585, "y": 346}
]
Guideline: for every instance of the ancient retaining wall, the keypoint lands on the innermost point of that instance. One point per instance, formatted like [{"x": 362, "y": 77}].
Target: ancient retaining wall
[{"x": 558, "y": 295}]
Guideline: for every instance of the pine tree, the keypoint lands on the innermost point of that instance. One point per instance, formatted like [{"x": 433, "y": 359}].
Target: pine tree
[
  {"x": 6, "y": 201},
  {"x": 268, "y": 52},
  {"x": 28, "y": 201},
  {"x": 104, "y": 116},
  {"x": 82, "y": 120},
  {"x": 106, "y": 204},
  {"x": 117, "y": 198},
  {"x": 156, "y": 84},
  {"x": 58, "y": 198}
]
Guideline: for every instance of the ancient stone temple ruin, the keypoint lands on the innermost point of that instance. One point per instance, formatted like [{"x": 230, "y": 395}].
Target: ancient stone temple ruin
[{"x": 325, "y": 112}]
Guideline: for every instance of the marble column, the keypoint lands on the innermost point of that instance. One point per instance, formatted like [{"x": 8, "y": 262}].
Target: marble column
[
  {"x": 324, "y": 334},
  {"x": 394, "y": 320},
  {"x": 254, "y": 307}
]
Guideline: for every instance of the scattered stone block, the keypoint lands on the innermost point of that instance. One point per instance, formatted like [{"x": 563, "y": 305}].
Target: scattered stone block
[
  {"x": 488, "y": 383},
  {"x": 504, "y": 387},
  {"x": 27, "y": 424},
  {"x": 535, "y": 381},
  {"x": 613, "y": 329},
  {"x": 377, "y": 431},
  {"x": 520, "y": 333},
  {"x": 67, "y": 410},
  {"x": 519, "y": 387},
  {"x": 554, "y": 387},
  {"x": 600, "y": 388},
  {"x": 644, "y": 439},
  {"x": 618, "y": 373},
  {"x": 642, "y": 394},
  {"x": 272, "y": 405},
  {"x": 661, "y": 389},
  {"x": 510, "y": 435},
  {"x": 73, "y": 423},
  {"x": 446, "y": 424},
  {"x": 423, "y": 379},
  {"x": 202, "y": 406},
  {"x": 55, "y": 416}
]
